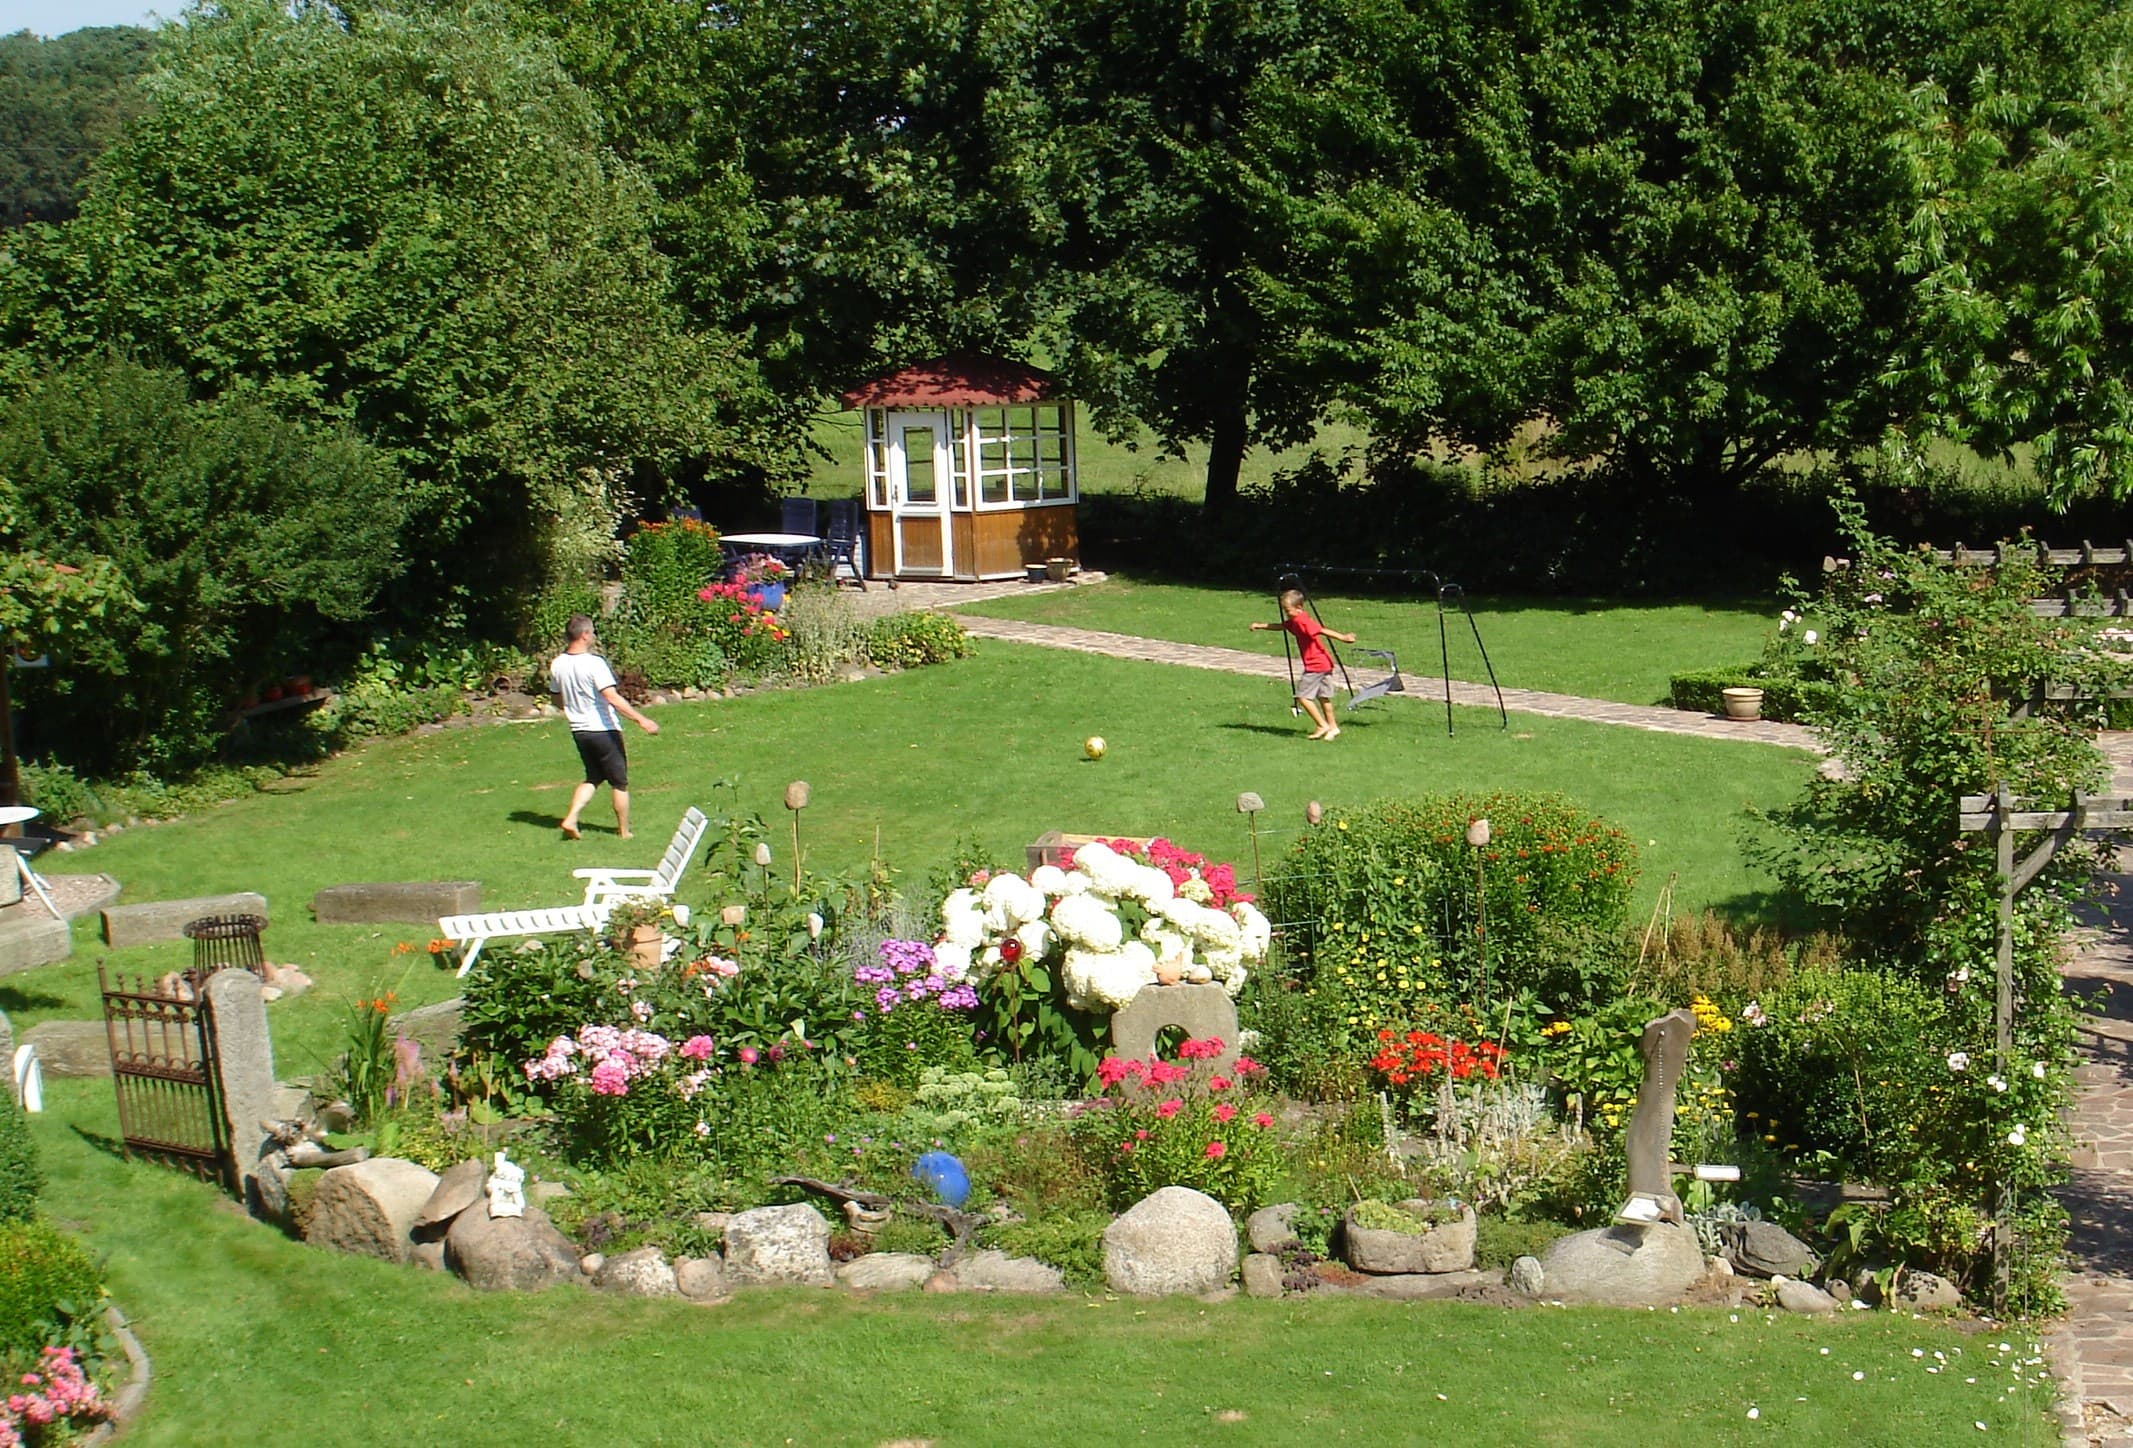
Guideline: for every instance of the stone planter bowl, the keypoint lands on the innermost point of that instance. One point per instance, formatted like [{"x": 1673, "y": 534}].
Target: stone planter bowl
[
  {"x": 1445, "y": 1248},
  {"x": 1742, "y": 703}
]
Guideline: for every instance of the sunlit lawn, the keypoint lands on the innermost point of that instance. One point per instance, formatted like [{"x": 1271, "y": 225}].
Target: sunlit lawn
[
  {"x": 1598, "y": 649},
  {"x": 989, "y": 747},
  {"x": 260, "y": 1340}
]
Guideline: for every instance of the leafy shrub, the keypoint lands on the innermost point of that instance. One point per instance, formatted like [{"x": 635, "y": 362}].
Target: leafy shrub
[
  {"x": 249, "y": 541},
  {"x": 1403, "y": 910},
  {"x": 47, "y": 1280},
  {"x": 63, "y": 795},
  {"x": 1500, "y": 1241},
  {"x": 1788, "y": 700},
  {"x": 665, "y": 565},
  {"x": 21, "y": 1178},
  {"x": 1164, "y": 1124},
  {"x": 827, "y": 633},
  {"x": 1071, "y": 1241},
  {"x": 1703, "y": 952},
  {"x": 910, "y": 1234},
  {"x": 909, "y": 640}
]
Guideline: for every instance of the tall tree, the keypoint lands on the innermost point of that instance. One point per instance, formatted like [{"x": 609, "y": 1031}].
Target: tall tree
[
  {"x": 61, "y": 103},
  {"x": 408, "y": 223}
]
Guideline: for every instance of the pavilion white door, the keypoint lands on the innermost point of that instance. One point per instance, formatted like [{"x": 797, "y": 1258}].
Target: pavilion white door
[{"x": 919, "y": 482}]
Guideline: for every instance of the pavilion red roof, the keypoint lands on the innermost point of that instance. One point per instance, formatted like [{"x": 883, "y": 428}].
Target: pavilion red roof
[{"x": 966, "y": 380}]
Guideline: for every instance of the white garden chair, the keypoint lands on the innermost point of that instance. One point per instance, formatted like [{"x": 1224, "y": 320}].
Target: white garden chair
[
  {"x": 607, "y": 886},
  {"x": 475, "y": 931}
]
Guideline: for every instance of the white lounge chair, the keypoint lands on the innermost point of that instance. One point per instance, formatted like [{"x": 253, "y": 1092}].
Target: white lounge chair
[
  {"x": 475, "y": 931},
  {"x": 603, "y": 885}
]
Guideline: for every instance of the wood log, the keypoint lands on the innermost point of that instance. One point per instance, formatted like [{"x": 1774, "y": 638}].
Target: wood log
[{"x": 310, "y": 1153}]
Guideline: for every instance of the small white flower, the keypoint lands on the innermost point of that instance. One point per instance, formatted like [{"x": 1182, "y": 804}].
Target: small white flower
[
  {"x": 1787, "y": 619},
  {"x": 1809, "y": 638},
  {"x": 2018, "y": 1136},
  {"x": 1996, "y": 1083},
  {"x": 2036, "y": 1069},
  {"x": 1958, "y": 1060},
  {"x": 1871, "y": 598}
]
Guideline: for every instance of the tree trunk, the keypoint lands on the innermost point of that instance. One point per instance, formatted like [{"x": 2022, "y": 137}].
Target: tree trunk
[{"x": 1226, "y": 441}]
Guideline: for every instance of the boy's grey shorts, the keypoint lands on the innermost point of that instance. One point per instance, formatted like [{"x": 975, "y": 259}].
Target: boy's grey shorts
[{"x": 1315, "y": 686}]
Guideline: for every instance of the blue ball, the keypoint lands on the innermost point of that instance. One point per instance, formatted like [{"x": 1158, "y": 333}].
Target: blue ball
[{"x": 944, "y": 1176}]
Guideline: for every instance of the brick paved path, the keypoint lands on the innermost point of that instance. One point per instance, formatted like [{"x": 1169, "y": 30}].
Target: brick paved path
[
  {"x": 1422, "y": 688},
  {"x": 2092, "y": 1349}
]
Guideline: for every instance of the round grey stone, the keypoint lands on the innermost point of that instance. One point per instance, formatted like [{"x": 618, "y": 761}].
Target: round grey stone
[
  {"x": 779, "y": 1245},
  {"x": 1527, "y": 1276},
  {"x": 1172, "y": 1241},
  {"x": 1271, "y": 1228},
  {"x": 459, "y": 1188},
  {"x": 643, "y": 1272},
  {"x": 1624, "y": 1266}
]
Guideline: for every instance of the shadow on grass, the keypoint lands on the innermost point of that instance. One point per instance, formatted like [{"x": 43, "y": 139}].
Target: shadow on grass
[
  {"x": 14, "y": 1000},
  {"x": 110, "y": 1146},
  {"x": 554, "y": 822}
]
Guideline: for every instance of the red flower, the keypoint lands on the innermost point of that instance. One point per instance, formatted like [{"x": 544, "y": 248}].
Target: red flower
[
  {"x": 1170, "y": 1108},
  {"x": 1216, "y": 1151},
  {"x": 1225, "y": 1111},
  {"x": 1262, "y": 1120}
]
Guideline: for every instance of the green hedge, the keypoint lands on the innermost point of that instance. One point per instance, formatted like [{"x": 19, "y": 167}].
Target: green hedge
[
  {"x": 1792, "y": 701},
  {"x": 20, "y": 1177},
  {"x": 47, "y": 1279}
]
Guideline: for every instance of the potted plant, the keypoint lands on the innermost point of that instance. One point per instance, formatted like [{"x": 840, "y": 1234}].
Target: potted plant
[
  {"x": 1742, "y": 702},
  {"x": 765, "y": 578},
  {"x": 637, "y": 928}
]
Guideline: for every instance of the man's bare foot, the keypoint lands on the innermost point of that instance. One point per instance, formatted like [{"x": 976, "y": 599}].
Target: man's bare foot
[
  {"x": 1333, "y": 733},
  {"x": 570, "y": 831},
  {"x": 625, "y": 834}
]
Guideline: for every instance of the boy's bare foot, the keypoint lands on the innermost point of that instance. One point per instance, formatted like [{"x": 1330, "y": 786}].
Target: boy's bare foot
[
  {"x": 1316, "y": 734},
  {"x": 570, "y": 831},
  {"x": 1333, "y": 733},
  {"x": 625, "y": 834}
]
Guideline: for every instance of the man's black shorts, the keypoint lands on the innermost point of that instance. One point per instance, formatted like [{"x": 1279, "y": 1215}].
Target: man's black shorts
[{"x": 604, "y": 760}]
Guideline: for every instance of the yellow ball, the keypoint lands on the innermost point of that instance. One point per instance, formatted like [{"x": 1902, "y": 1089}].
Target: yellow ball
[{"x": 1093, "y": 746}]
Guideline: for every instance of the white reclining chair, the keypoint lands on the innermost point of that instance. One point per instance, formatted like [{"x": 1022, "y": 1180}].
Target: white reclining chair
[
  {"x": 604, "y": 885},
  {"x": 475, "y": 931}
]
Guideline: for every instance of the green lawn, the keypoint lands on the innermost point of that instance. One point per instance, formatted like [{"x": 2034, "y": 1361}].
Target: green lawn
[
  {"x": 988, "y": 747},
  {"x": 1599, "y": 649},
  {"x": 260, "y": 1340}
]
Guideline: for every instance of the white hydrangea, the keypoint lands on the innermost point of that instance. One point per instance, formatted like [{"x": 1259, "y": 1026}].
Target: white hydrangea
[
  {"x": 963, "y": 920},
  {"x": 1074, "y": 882},
  {"x": 1258, "y": 932},
  {"x": 1109, "y": 872},
  {"x": 1049, "y": 878},
  {"x": 952, "y": 961},
  {"x": 1010, "y": 903},
  {"x": 1172, "y": 950},
  {"x": 1198, "y": 891},
  {"x": 1106, "y": 979},
  {"x": 1151, "y": 886},
  {"x": 1088, "y": 921}
]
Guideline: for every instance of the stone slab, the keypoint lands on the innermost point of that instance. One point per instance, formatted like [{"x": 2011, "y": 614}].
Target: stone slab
[
  {"x": 156, "y": 920},
  {"x": 244, "y": 1052},
  {"x": 71, "y": 1048},
  {"x": 396, "y": 902},
  {"x": 27, "y": 942}
]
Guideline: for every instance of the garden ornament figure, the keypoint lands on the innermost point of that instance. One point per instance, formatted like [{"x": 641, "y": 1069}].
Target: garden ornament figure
[
  {"x": 507, "y": 1188},
  {"x": 1665, "y": 1045}
]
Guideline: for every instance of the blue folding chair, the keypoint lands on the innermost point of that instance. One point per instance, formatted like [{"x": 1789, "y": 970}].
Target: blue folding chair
[
  {"x": 799, "y": 515},
  {"x": 841, "y": 542}
]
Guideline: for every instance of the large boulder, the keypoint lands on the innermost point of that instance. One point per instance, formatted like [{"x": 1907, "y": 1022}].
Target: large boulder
[
  {"x": 504, "y": 1254},
  {"x": 886, "y": 1272},
  {"x": 1917, "y": 1291},
  {"x": 370, "y": 1207},
  {"x": 1172, "y": 1241},
  {"x": 1446, "y": 1247},
  {"x": 1803, "y": 1297},
  {"x": 459, "y": 1188},
  {"x": 1625, "y": 1266},
  {"x": 644, "y": 1272},
  {"x": 770, "y": 1246},
  {"x": 1764, "y": 1249}
]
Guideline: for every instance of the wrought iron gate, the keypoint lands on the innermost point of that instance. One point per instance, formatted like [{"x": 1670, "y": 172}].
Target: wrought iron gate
[{"x": 163, "y": 1064}]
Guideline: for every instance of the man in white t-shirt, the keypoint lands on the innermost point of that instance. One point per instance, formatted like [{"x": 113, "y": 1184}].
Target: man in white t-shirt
[{"x": 585, "y": 686}]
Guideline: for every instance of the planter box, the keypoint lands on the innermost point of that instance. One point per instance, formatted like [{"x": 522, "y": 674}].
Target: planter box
[
  {"x": 1446, "y": 1248},
  {"x": 1054, "y": 846}
]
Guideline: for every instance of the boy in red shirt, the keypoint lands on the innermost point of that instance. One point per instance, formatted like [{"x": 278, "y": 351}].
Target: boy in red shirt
[{"x": 1314, "y": 692}]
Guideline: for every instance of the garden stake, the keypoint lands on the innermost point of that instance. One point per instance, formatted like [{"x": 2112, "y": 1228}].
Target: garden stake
[
  {"x": 1249, "y": 805},
  {"x": 796, "y": 800}
]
